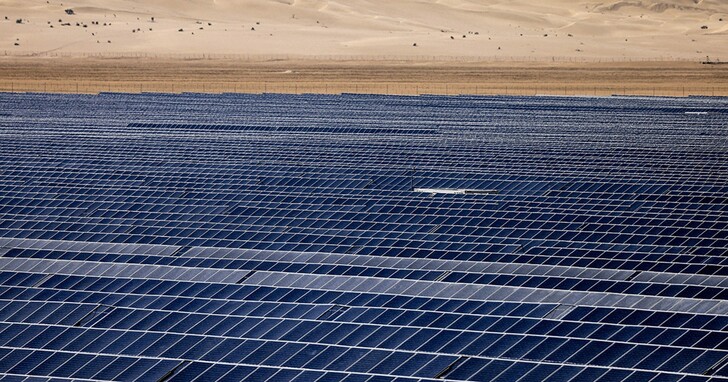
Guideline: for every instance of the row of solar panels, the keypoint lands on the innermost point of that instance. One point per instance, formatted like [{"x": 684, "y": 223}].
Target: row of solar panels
[
  {"x": 281, "y": 237},
  {"x": 576, "y": 283},
  {"x": 155, "y": 304}
]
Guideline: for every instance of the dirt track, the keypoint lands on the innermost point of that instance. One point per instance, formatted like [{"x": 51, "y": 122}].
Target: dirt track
[{"x": 92, "y": 75}]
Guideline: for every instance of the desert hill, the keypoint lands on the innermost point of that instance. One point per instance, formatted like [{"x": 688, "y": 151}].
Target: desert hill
[{"x": 626, "y": 29}]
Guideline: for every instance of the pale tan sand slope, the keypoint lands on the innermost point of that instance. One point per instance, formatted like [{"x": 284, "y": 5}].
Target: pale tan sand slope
[{"x": 632, "y": 29}]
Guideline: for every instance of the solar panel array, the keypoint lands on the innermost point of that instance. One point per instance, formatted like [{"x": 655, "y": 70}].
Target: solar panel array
[{"x": 362, "y": 238}]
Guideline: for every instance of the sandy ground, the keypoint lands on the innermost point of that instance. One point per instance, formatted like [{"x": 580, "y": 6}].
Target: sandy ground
[
  {"x": 626, "y": 29},
  {"x": 366, "y": 46},
  {"x": 92, "y": 75}
]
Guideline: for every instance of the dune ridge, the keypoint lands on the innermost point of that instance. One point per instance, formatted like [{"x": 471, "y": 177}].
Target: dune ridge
[{"x": 629, "y": 29}]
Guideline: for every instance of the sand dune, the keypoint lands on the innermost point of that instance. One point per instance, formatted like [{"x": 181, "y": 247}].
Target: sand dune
[{"x": 685, "y": 29}]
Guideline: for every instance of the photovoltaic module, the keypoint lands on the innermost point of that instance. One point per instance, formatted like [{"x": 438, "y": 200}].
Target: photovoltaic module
[{"x": 230, "y": 237}]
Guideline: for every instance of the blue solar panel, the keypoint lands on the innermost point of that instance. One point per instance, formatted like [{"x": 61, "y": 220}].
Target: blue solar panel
[{"x": 191, "y": 237}]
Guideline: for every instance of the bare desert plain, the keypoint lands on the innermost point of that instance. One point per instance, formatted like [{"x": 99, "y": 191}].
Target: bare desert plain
[{"x": 645, "y": 47}]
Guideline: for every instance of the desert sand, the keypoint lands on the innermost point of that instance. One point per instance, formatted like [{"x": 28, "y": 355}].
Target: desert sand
[
  {"x": 93, "y": 75},
  {"x": 672, "y": 29},
  {"x": 414, "y": 46}
]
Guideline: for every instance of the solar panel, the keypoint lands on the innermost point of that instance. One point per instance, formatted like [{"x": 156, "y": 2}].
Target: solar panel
[{"x": 200, "y": 237}]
